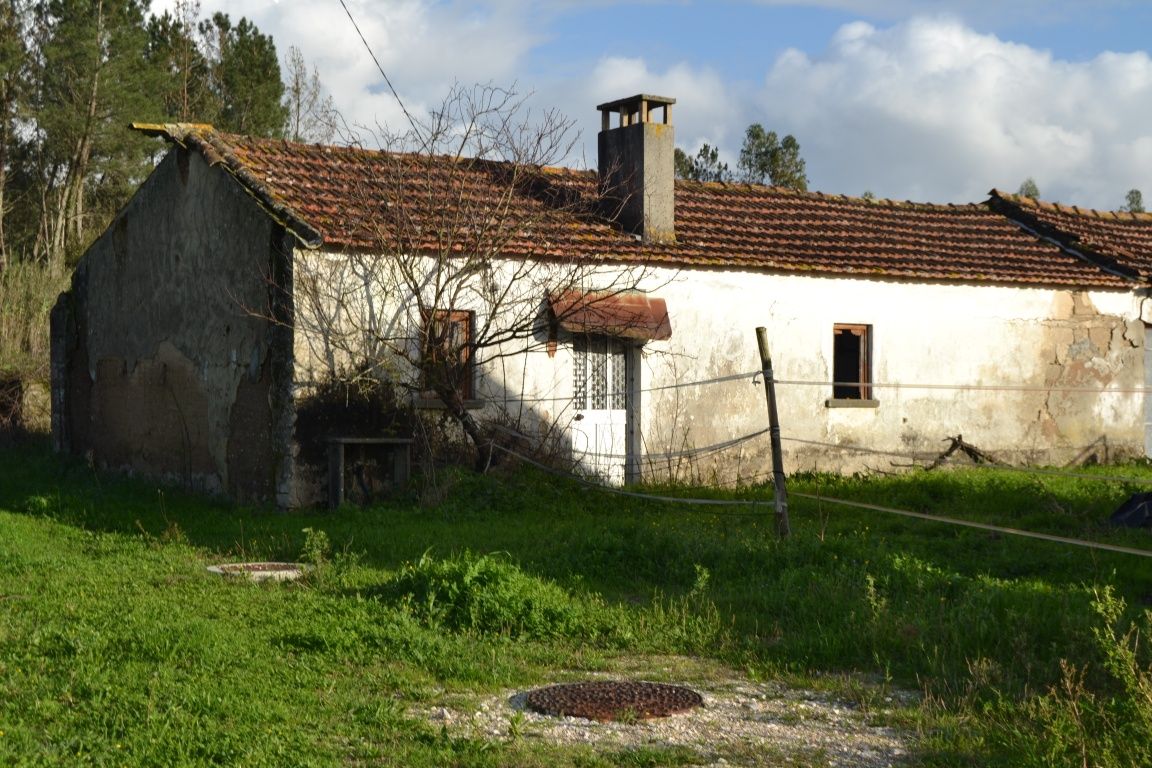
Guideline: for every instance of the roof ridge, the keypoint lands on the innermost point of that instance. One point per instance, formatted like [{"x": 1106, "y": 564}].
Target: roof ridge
[
  {"x": 816, "y": 194},
  {"x": 218, "y": 149},
  {"x": 1074, "y": 210},
  {"x": 237, "y": 138}
]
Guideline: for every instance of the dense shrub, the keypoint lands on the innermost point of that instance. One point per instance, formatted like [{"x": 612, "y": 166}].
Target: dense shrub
[
  {"x": 27, "y": 292},
  {"x": 489, "y": 595}
]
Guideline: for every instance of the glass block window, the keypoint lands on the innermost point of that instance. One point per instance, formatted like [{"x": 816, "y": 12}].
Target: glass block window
[
  {"x": 617, "y": 383},
  {"x": 580, "y": 379},
  {"x": 599, "y": 374}
]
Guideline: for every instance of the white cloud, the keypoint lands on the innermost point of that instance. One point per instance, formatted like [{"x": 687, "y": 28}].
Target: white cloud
[
  {"x": 926, "y": 109},
  {"x": 931, "y": 110},
  {"x": 425, "y": 48}
]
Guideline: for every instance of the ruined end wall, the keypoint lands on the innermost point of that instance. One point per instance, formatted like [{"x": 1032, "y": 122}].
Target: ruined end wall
[{"x": 164, "y": 360}]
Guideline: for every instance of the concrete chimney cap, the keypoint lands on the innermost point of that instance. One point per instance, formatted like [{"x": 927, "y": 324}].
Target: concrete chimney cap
[{"x": 631, "y": 101}]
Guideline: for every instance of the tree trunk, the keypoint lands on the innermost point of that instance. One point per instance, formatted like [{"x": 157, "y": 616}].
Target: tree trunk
[
  {"x": 5, "y": 138},
  {"x": 83, "y": 153},
  {"x": 482, "y": 442},
  {"x": 68, "y": 224}
]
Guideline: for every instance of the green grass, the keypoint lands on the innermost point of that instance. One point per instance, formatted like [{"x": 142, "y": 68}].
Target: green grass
[{"x": 118, "y": 648}]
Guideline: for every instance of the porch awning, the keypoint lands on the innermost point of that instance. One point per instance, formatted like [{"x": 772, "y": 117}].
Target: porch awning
[{"x": 627, "y": 315}]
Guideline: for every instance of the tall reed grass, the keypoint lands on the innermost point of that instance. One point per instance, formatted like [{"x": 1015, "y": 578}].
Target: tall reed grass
[{"x": 27, "y": 293}]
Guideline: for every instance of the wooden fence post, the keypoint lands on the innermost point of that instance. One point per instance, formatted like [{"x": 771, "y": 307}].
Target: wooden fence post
[{"x": 780, "y": 490}]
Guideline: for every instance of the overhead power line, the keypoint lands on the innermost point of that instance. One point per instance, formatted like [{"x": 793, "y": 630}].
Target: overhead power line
[{"x": 380, "y": 69}]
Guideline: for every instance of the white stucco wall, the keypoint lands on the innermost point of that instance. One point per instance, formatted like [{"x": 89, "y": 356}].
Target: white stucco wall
[
  {"x": 1010, "y": 363},
  {"x": 1021, "y": 339}
]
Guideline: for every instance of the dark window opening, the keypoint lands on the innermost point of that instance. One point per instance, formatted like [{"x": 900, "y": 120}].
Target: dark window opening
[
  {"x": 447, "y": 352},
  {"x": 851, "y": 362}
]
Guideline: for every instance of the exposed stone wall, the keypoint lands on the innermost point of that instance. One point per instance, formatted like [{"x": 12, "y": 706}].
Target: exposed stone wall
[
  {"x": 1089, "y": 351},
  {"x": 164, "y": 355}
]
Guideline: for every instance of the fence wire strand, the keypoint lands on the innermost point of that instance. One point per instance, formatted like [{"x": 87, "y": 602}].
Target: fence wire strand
[
  {"x": 918, "y": 457},
  {"x": 633, "y": 494},
  {"x": 980, "y": 526},
  {"x": 926, "y": 516},
  {"x": 753, "y": 377},
  {"x": 1005, "y": 467}
]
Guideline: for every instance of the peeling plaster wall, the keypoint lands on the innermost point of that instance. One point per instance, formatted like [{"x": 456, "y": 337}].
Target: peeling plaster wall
[
  {"x": 1017, "y": 372},
  {"x": 994, "y": 351},
  {"x": 165, "y": 363}
]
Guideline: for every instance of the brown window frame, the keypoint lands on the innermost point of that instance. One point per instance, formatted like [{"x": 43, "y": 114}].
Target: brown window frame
[
  {"x": 449, "y": 345},
  {"x": 859, "y": 359}
]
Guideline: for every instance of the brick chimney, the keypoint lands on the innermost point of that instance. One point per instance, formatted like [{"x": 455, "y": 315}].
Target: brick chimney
[{"x": 636, "y": 166}]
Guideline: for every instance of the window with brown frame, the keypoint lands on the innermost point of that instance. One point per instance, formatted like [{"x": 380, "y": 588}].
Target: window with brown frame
[
  {"x": 851, "y": 362},
  {"x": 447, "y": 352}
]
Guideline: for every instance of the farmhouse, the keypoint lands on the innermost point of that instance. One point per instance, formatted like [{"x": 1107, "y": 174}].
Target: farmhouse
[{"x": 608, "y": 315}]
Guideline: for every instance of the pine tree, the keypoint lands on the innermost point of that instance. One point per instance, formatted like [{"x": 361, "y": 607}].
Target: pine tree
[
  {"x": 176, "y": 50},
  {"x": 765, "y": 157},
  {"x": 89, "y": 85},
  {"x": 245, "y": 77},
  {"x": 1028, "y": 188},
  {"x": 1133, "y": 201},
  {"x": 705, "y": 166},
  {"x": 15, "y": 88}
]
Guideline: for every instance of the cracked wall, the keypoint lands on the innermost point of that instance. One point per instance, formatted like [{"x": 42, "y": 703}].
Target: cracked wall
[
  {"x": 1030, "y": 374},
  {"x": 1088, "y": 351}
]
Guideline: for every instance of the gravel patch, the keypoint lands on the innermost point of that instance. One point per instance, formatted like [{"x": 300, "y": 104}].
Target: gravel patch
[{"x": 742, "y": 723}]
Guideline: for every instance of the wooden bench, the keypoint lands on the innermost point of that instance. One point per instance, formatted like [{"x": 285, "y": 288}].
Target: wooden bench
[{"x": 398, "y": 449}]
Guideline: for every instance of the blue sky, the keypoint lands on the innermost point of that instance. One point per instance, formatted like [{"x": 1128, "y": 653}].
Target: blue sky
[
  {"x": 929, "y": 100},
  {"x": 740, "y": 38}
]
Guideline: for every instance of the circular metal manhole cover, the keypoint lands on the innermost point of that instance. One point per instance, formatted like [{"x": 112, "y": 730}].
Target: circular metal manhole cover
[{"x": 613, "y": 700}]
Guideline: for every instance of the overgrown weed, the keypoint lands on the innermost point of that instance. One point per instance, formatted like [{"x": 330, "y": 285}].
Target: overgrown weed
[
  {"x": 1098, "y": 713},
  {"x": 1020, "y": 648}
]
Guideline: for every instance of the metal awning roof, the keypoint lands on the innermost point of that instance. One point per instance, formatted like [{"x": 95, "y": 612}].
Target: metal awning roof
[{"x": 627, "y": 315}]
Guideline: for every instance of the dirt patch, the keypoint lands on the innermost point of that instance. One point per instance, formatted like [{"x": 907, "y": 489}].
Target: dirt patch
[{"x": 740, "y": 723}]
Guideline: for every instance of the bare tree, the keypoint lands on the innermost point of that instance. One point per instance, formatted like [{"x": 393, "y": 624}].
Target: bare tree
[
  {"x": 461, "y": 224},
  {"x": 312, "y": 116}
]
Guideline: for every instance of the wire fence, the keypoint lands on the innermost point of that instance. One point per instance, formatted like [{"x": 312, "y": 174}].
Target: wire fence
[
  {"x": 1084, "y": 543},
  {"x": 766, "y": 505},
  {"x": 601, "y": 487},
  {"x": 753, "y": 377},
  {"x": 913, "y": 459},
  {"x": 925, "y": 456}
]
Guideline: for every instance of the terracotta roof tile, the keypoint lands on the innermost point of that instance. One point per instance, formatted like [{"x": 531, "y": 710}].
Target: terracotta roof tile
[
  {"x": 1119, "y": 241},
  {"x": 339, "y": 197}
]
